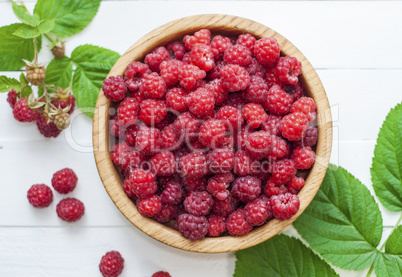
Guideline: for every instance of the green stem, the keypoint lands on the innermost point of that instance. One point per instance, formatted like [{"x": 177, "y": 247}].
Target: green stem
[
  {"x": 50, "y": 37},
  {"x": 370, "y": 270},
  {"x": 35, "y": 42},
  {"x": 393, "y": 229}
]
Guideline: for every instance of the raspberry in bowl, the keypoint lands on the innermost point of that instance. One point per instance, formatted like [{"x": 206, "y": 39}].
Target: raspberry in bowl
[{"x": 222, "y": 135}]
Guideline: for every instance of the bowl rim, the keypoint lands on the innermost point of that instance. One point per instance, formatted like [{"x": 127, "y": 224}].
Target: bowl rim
[{"x": 112, "y": 181}]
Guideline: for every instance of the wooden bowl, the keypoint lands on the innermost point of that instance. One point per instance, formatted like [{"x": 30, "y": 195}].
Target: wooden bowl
[{"x": 176, "y": 30}]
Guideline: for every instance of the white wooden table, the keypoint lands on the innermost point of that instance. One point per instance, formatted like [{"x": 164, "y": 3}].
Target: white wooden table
[{"x": 355, "y": 47}]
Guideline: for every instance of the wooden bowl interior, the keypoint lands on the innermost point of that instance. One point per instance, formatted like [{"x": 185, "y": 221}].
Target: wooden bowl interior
[{"x": 218, "y": 24}]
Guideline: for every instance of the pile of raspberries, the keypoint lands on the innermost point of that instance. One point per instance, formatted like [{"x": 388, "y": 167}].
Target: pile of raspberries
[{"x": 213, "y": 133}]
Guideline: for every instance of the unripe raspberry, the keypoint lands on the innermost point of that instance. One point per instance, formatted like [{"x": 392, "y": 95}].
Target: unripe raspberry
[
  {"x": 35, "y": 74},
  {"x": 59, "y": 50},
  {"x": 62, "y": 120}
]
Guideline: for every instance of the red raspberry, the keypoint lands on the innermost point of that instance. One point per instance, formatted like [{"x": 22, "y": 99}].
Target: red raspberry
[
  {"x": 217, "y": 225},
  {"x": 168, "y": 120},
  {"x": 166, "y": 214},
  {"x": 186, "y": 58},
  {"x": 177, "y": 48},
  {"x": 176, "y": 99},
  {"x": 218, "y": 189},
  {"x": 201, "y": 101},
  {"x": 163, "y": 163},
  {"x": 271, "y": 78},
  {"x": 255, "y": 68},
  {"x": 267, "y": 50},
  {"x": 272, "y": 124},
  {"x": 161, "y": 274},
  {"x": 304, "y": 157},
  {"x": 282, "y": 171},
  {"x": 170, "y": 71},
  {"x": 131, "y": 134},
  {"x": 219, "y": 44},
  {"x": 254, "y": 114},
  {"x": 111, "y": 264},
  {"x": 278, "y": 101},
  {"x": 241, "y": 137},
  {"x": 198, "y": 203},
  {"x": 295, "y": 91},
  {"x": 234, "y": 77},
  {"x": 284, "y": 206},
  {"x": 199, "y": 184},
  {"x": 237, "y": 224},
  {"x": 261, "y": 169},
  {"x": 127, "y": 112},
  {"x": 279, "y": 148},
  {"x": 47, "y": 129},
  {"x": 194, "y": 165},
  {"x": 305, "y": 105},
  {"x": 258, "y": 211},
  {"x": 246, "y": 188},
  {"x": 189, "y": 75},
  {"x": 125, "y": 157},
  {"x": 231, "y": 117},
  {"x": 12, "y": 98},
  {"x": 225, "y": 207},
  {"x": 242, "y": 163},
  {"x": 221, "y": 160},
  {"x": 154, "y": 86},
  {"x": 274, "y": 189},
  {"x": 214, "y": 72},
  {"x": 64, "y": 180},
  {"x": 40, "y": 196},
  {"x": 202, "y": 56},
  {"x": 142, "y": 183},
  {"x": 170, "y": 140},
  {"x": 310, "y": 139},
  {"x": 153, "y": 111},
  {"x": 212, "y": 133},
  {"x": 237, "y": 54},
  {"x": 175, "y": 178},
  {"x": 296, "y": 183},
  {"x": 192, "y": 227},
  {"x": 202, "y": 36},
  {"x": 216, "y": 87},
  {"x": 149, "y": 206},
  {"x": 148, "y": 140},
  {"x": 114, "y": 88},
  {"x": 247, "y": 40},
  {"x": 23, "y": 113},
  {"x": 187, "y": 125},
  {"x": 115, "y": 128},
  {"x": 172, "y": 194},
  {"x": 257, "y": 91},
  {"x": 70, "y": 209},
  {"x": 294, "y": 126},
  {"x": 259, "y": 144},
  {"x": 134, "y": 75},
  {"x": 154, "y": 59},
  {"x": 288, "y": 69}
]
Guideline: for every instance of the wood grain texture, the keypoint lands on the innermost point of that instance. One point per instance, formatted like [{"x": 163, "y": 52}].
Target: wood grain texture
[{"x": 176, "y": 30}]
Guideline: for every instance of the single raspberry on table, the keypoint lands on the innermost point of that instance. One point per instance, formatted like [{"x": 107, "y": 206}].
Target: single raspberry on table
[
  {"x": 190, "y": 75},
  {"x": 221, "y": 160},
  {"x": 282, "y": 171},
  {"x": 296, "y": 183},
  {"x": 278, "y": 102},
  {"x": 134, "y": 75},
  {"x": 237, "y": 54},
  {"x": 154, "y": 86},
  {"x": 163, "y": 163},
  {"x": 231, "y": 117},
  {"x": 303, "y": 157},
  {"x": 272, "y": 124},
  {"x": 156, "y": 57},
  {"x": 293, "y": 126},
  {"x": 219, "y": 44},
  {"x": 246, "y": 188},
  {"x": 236, "y": 223},
  {"x": 288, "y": 69},
  {"x": 23, "y": 113},
  {"x": 284, "y": 206},
  {"x": 142, "y": 183},
  {"x": 192, "y": 227},
  {"x": 201, "y": 101},
  {"x": 111, "y": 264},
  {"x": 64, "y": 102},
  {"x": 247, "y": 40},
  {"x": 259, "y": 144},
  {"x": 305, "y": 105},
  {"x": 216, "y": 87},
  {"x": 148, "y": 140},
  {"x": 152, "y": 111},
  {"x": 202, "y": 36},
  {"x": 194, "y": 165},
  {"x": 172, "y": 194},
  {"x": 176, "y": 49},
  {"x": 12, "y": 98},
  {"x": 149, "y": 206},
  {"x": 254, "y": 114},
  {"x": 234, "y": 77},
  {"x": 47, "y": 128},
  {"x": 40, "y": 196},
  {"x": 242, "y": 163},
  {"x": 225, "y": 207},
  {"x": 64, "y": 180},
  {"x": 128, "y": 111},
  {"x": 202, "y": 56},
  {"x": 267, "y": 50},
  {"x": 217, "y": 225},
  {"x": 271, "y": 188},
  {"x": 114, "y": 88},
  {"x": 166, "y": 213},
  {"x": 161, "y": 274},
  {"x": 258, "y": 211},
  {"x": 35, "y": 74},
  {"x": 257, "y": 91},
  {"x": 170, "y": 71},
  {"x": 198, "y": 203},
  {"x": 310, "y": 138},
  {"x": 70, "y": 209},
  {"x": 212, "y": 133},
  {"x": 195, "y": 184}
]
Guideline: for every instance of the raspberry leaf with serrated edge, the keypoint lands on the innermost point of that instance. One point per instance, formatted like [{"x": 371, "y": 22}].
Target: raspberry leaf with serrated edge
[
  {"x": 13, "y": 49},
  {"x": 23, "y": 80},
  {"x": 26, "y": 91},
  {"x": 394, "y": 242},
  {"x": 386, "y": 169},
  {"x": 387, "y": 265},
  {"x": 70, "y": 16},
  {"x": 92, "y": 63},
  {"x": 280, "y": 256},
  {"x": 7, "y": 84},
  {"x": 343, "y": 222},
  {"x": 59, "y": 72},
  {"x": 45, "y": 26},
  {"x": 27, "y": 31},
  {"x": 22, "y": 13}
]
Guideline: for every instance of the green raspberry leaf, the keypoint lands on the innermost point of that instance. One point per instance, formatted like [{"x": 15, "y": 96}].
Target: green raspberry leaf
[
  {"x": 343, "y": 222},
  {"x": 7, "y": 84},
  {"x": 388, "y": 265},
  {"x": 26, "y": 91},
  {"x": 22, "y": 13},
  {"x": 27, "y": 31},
  {"x": 93, "y": 64},
  {"x": 70, "y": 16},
  {"x": 386, "y": 169},
  {"x": 59, "y": 72},
  {"x": 45, "y": 26},
  {"x": 13, "y": 49},
  {"x": 394, "y": 242},
  {"x": 23, "y": 80},
  {"x": 280, "y": 256}
]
